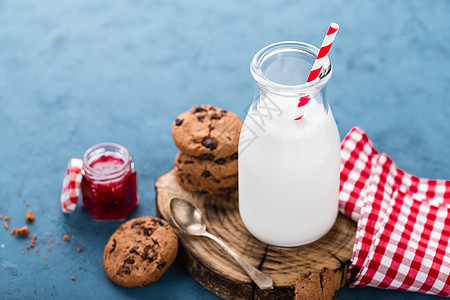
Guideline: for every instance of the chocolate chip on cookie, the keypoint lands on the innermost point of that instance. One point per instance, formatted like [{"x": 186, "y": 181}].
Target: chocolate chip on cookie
[
  {"x": 209, "y": 143},
  {"x": 178, "y": 122},
  {"x": 220, "y": 161},
  {"x": 206, "y": 156},
  {"x": 206, "y": 173},
  {"x": 198, "y": 109},
  {"x": 140, "y": 251},
  {"x": 215, "y": 117}
]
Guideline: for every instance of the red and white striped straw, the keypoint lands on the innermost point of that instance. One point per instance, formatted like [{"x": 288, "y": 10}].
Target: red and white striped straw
[
  {"x": 324, "y": 49},
  {"x": 317, "y": 66}
]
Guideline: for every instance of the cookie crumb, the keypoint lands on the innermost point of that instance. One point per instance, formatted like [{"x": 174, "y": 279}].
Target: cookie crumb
[
  {"x": 57, "y": 244},
  {"x": 79, "y": 249},
  {"x": 73, "y": 278},
  {"x": 29, "y": 217},
  {"x": 20, "y": 231},
  {"x": 33, "y": 240},
  {"x": 37, "y": 249},
  {"x": 6, "y": 226},
  {"x": 28, "y": 247},
  {"x": 45, "y": 256},
  {"x": 1, "y": 217},
  {"x": 7, "y": 219},
  {"x": 27, "y": 204},
  {"x": 23, "y": 252},
  {"x": 67, "y": 237},
  {"x": 48, "y": 249}
]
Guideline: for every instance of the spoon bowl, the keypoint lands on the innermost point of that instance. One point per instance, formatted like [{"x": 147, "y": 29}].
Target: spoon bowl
[{"x": 187, "y": 216}]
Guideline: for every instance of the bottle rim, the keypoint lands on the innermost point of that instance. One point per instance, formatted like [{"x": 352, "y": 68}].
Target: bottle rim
[
  {"x": 274, "y": 49},
  {"x": 106, "y": 148}
]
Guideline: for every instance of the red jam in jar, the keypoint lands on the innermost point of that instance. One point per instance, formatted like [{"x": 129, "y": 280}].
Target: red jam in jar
[{"x": 109, "y": 186}]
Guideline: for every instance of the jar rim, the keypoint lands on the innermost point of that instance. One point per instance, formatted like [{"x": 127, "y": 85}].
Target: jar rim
[
  {"x": 100, "y": 149},
  {"x": 274, "y": 49}
]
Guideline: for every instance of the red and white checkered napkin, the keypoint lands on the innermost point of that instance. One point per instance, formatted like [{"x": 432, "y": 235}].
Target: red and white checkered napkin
[{"x": 402, "y": 238}]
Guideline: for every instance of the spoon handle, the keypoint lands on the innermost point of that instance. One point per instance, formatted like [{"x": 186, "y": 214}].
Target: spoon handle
[{"x": 263, "y": 281}]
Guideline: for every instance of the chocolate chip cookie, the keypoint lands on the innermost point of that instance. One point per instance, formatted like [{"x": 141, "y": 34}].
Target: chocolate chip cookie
[
  {"x": 207, "y": 132},
  {"x": 140, "y": 251},
  {"x": 207, "y": 183},
  {"x": 218, "y": 168}
]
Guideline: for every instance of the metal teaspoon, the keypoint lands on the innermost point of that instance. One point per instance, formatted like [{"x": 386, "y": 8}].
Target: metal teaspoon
[{"x": 191, "y": 221}]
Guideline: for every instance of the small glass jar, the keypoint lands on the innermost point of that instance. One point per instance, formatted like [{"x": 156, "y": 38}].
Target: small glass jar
[{"x": 109, "y": 185}]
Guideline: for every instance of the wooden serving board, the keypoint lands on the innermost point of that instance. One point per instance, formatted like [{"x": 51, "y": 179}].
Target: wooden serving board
[{"x": 218, "y": 272}]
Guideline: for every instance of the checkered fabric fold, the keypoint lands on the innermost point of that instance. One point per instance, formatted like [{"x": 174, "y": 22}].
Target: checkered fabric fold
[{"x": 402, "y": 238}]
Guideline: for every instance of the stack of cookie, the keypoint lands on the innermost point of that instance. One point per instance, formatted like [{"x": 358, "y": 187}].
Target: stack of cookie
[{"x": 208, "y": 139}]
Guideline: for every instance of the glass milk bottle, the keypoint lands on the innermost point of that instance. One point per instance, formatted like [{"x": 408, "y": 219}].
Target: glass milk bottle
[{"x": 288, "y": 169}]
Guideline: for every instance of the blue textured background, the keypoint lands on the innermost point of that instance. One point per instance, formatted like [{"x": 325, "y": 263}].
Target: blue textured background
[{"x": 73, "y": 74}]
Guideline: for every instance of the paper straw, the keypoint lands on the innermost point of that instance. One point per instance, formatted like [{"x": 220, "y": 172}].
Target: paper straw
[
  {"x": 317, "y": 66},
  {"x": 324, "y": 49}
]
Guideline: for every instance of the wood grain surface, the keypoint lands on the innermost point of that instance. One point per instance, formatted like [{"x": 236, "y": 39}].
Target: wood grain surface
[{"x": 218, "y": 272}]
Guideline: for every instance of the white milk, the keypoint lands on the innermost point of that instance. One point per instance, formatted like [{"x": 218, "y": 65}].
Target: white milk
[{"x": 288, "y": 171}]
